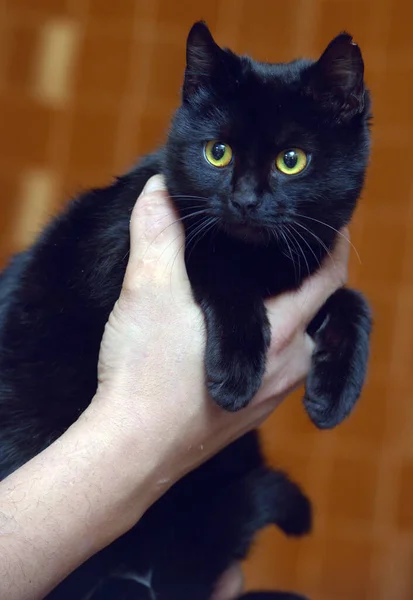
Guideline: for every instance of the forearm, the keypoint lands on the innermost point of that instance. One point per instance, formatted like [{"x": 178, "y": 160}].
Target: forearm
[{"x": 64, "y": 505}]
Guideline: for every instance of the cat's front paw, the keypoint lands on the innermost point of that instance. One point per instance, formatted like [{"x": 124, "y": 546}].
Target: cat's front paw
[
  {"x": 340, "y": 359},
  {"x": 234, "y": 385},
  {"x": 237, "y": 342}
]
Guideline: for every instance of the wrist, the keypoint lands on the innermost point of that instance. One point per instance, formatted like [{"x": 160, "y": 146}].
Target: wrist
[
  {"x": 70, "y": 501},
  {"x": 123, "y": 468}
]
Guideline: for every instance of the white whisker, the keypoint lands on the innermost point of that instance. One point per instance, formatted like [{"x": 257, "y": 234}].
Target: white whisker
[
  {"x": 319, "y": 240},
  {"x": 334, "y": 229},
  {"x": 306, "y": 243},
  {"x": 284, "y": 235},
  {"x": 302, "y": 252}
]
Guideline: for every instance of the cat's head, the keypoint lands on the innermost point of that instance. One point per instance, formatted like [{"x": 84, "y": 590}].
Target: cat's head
[{"x": 269, "y": 151}]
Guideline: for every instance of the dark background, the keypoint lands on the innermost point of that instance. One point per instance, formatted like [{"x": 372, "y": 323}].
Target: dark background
[{"x": 86, "y": 85}]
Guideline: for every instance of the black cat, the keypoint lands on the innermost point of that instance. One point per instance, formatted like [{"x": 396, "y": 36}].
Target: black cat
[{"x": 265, "y": 162}]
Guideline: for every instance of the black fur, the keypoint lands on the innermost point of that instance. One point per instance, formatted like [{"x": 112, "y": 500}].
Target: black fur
[
  {"x": 252, "y": 232},
  {"x": 127, "y": 589}
]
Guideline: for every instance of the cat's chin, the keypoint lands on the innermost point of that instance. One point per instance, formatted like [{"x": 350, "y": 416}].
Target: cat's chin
[{"x": 247, "y": 233}]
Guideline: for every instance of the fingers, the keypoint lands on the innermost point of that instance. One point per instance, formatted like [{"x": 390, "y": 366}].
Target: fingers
[
  {"x": 332, "y": 276},
  {"x": 230, "y": 585},
  {"x": 288, "y": 365},
  {"x": 304, "y": 303},
  {"x": 156, "y": 240}
]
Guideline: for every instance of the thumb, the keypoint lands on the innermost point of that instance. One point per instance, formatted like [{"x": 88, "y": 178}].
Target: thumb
[{"x": 157, "y": 240}]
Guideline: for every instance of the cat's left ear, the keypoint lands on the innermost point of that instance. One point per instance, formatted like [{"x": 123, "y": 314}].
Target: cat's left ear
[
  {"x": 336, "y": 80},
  {"x": 204, "y": 59}
]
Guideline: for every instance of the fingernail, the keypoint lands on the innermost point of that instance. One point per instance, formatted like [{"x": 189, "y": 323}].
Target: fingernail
[{"x": 154, "y": 184}]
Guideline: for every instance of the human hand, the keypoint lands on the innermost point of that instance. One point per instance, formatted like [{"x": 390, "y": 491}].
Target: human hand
[
  {"x": 230, "y": 585},
  {"x": 151, "y": 367}
]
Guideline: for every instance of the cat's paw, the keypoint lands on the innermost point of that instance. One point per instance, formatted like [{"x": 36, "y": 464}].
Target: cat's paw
[
  {"x": 339, "y": 362},
  {"x": 233, "y": 387},
  {"x": 237, "y": 342}
]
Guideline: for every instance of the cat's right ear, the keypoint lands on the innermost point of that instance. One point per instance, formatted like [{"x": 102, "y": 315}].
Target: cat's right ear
[
  {"x": 336, "y": 82},
  {"x": 203, "y": 59}
]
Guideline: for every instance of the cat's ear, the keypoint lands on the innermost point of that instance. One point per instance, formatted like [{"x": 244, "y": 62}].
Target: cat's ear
[
  {"x": 203, "y": 59},
  {"x": 337, "y": 79}
]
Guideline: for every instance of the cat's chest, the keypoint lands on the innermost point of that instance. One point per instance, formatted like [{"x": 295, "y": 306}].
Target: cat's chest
[{"x": 227, "y": 271}]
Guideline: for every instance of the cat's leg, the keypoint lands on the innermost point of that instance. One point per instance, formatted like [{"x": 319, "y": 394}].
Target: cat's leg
[
  {"x": 222, "y": 530},
  {"x": 341, "y": 332},
  {"x": 238, "y": 336},
  {"x": 280, "y": 501}
]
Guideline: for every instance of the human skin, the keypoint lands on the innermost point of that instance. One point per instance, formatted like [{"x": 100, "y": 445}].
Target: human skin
[{"x": 151, "y": 420}]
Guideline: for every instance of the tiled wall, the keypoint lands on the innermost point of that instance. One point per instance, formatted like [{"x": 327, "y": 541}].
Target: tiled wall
[{"x": 85, "y": 85}]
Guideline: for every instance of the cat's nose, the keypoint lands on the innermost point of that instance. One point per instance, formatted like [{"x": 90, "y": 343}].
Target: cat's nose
[{"x": 245, "y": 204}]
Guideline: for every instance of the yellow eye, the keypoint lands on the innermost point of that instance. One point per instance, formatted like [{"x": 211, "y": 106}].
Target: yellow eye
[
  {"x": 291, "y": 161},
  {"x": 218, "y": 153}
]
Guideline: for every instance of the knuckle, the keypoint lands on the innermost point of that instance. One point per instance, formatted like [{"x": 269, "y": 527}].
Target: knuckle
[
  {"x": 128, "y": 297},
  {"x": 146, "y": 210},
  {"x": 137, "y": 279}
]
